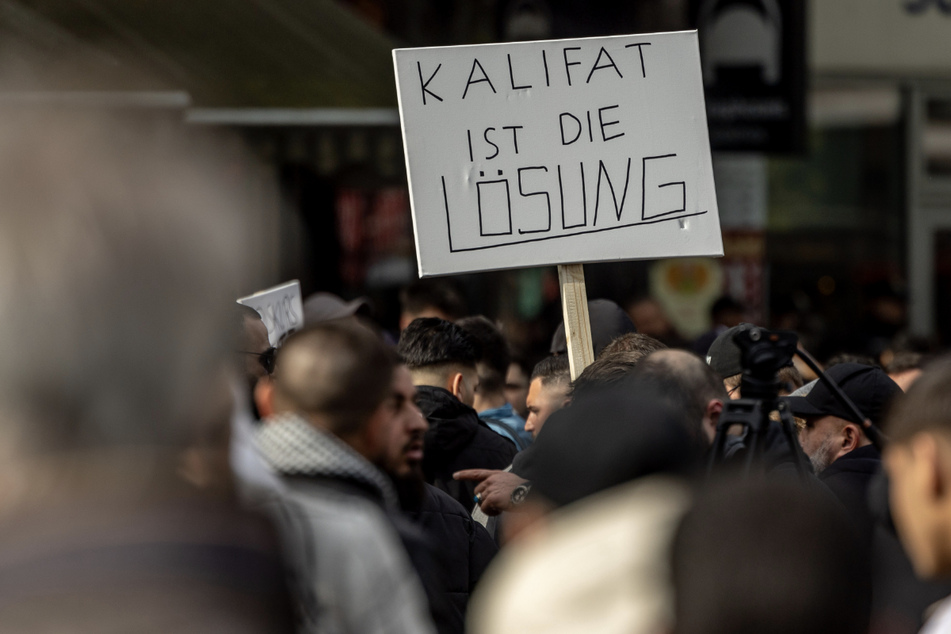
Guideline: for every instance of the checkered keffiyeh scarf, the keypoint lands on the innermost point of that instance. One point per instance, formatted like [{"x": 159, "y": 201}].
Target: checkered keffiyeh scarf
[{"x": 294, "y": 447}]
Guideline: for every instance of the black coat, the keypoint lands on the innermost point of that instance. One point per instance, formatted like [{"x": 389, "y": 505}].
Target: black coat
[
  {"x": 461, "y": 546},
  {"x": 457, "y": 439},
  {"x": 848, "y": 478}
]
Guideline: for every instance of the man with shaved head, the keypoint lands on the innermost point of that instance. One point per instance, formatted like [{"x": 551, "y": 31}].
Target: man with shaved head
[
  {"x": 333, "y": 415},
  {"x": 680, "y": 376}
]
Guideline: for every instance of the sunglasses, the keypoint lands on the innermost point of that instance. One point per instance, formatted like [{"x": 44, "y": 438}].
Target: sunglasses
[{"x": 266, "y": 358}]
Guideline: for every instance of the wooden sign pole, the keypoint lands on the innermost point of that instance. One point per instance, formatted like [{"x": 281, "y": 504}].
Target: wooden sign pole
[{"x": 574, "y": 306}]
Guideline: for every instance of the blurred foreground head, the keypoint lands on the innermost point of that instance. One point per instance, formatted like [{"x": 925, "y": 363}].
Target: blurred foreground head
[
  {"x": 755, "y": 557},
  {"x": 918, "y": 461},
  {"x": 121, "y": 250}
]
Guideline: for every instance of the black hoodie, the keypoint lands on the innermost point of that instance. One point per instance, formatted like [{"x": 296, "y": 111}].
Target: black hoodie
[{"x": 457, "y": 439}]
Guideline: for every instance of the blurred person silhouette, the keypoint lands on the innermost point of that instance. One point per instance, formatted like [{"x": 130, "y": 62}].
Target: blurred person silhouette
[
  {"x": 123, "y": 242},
  {"x": 430, "y": 298},
  {"x": 905, "y": 367},
  {"x": 608, "y": 321},
  {"x": 649, "y": 318},
  {"x": 442, "y": 358},
  {"x": 756, "y": 556},
  {"x": 595, "y": 557},
  {"x": 333, "y": 420},
  {"x": 918, "y": 462},
  {"x": 725, "y": 313},
  {"x": 517, "y": 378},
  {"x": 492, "y": 367}
]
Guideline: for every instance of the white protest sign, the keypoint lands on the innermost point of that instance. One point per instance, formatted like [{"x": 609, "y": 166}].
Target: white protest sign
[
  {"x": 281, "y": 309},
  {"x": 553, "y": 152}
]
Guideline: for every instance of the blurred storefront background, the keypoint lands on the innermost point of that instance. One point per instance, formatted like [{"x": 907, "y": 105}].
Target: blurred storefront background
[{"x": 830, "y": 123}]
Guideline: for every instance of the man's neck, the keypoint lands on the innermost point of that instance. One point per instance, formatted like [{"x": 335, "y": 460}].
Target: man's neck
[{"x": 489, "y": 401}]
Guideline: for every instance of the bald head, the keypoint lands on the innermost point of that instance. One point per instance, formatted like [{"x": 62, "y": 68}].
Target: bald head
[
  {"x": 683, "y": 376},
  {"x": 335, "y": 373}
]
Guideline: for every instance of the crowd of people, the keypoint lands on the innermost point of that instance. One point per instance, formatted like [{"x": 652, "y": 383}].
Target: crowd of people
[{"x": 167, "y": 469}]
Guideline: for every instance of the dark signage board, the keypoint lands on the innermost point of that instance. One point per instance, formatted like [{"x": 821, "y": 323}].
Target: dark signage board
[{"x": 752, "y": 54}]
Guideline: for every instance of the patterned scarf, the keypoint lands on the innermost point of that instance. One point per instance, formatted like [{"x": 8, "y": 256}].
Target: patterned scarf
[{"x": 292, "y": 446}]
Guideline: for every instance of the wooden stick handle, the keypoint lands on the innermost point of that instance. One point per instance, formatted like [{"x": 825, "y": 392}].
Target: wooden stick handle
[{"x": 574, "y": 306}]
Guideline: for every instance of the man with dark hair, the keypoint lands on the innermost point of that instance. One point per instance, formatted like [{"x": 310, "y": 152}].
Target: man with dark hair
[
  {"x": 442, "y": 359},
  {"x": 682, "y": 377},
  {"x": 430, "y": 298},
  {"x": 492, "y": 366},
  {"x": 332, "y": 417},
  {"x": 547, "y": 392},
  {"x": 918, "y": 461}
]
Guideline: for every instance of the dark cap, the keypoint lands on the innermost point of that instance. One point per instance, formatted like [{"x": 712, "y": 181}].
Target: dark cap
[
  {"x": 608, "y": 322},
  {"x": 321, "y": 307},
  {"x": 868, "y": 386},
  {"x": 724, "y": 355}
]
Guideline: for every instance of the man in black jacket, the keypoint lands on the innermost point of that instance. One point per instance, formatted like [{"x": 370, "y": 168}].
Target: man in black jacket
[
  {"x": 841, "y": 454},
  {"x": 442, "y": 359}
]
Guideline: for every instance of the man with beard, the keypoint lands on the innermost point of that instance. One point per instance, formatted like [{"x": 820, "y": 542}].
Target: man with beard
[
  {"x": 331, "y": 418},
  {"x": 442, "y": 357},
  {"x": 462, "y": 548},
  {"x": 841, "y": 454}
]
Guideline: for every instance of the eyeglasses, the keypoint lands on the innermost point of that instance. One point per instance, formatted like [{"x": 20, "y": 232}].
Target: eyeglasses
[{"x": 266, "y": 358}]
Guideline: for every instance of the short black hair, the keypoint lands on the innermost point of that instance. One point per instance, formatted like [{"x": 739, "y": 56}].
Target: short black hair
[
  {"x": 430, "y": 341},
  {"x": 441, "y": 294},
  {"x": 553, "y": 369},
  {"x": 495, "y": 352}
]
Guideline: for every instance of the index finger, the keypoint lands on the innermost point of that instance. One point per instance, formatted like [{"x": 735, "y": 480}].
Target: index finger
[{"x": 473, "y": 474}]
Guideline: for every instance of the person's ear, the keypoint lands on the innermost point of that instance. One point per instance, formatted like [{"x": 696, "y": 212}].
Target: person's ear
[
  {"x": 264, "y": 396},
  {"x": 456, "y": 385},
  {"x": 714, "y": 409},
  {"x": 851, "y": 436}
]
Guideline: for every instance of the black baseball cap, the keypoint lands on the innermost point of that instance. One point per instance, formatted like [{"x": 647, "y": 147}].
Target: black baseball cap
[
  {"x": 724, "y": 355},
  {"x": 868, "y": 386}
]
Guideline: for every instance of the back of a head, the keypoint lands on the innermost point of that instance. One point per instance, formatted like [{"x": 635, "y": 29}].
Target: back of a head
[
  {"x": 430, "y": 342},
  {"x": 122, "y": 248},
  {"x": 495, "y": 356},
  {"x": 598, "y": 443},
  {"x": 338, "y": 372},
  {"x": 633, "y": 342},
  {"x": 605, "y": 372},
  {"x": 754, "y": 557},
  {"x": 682, "y": 377},
  {"x": 926, "y": 406}
]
